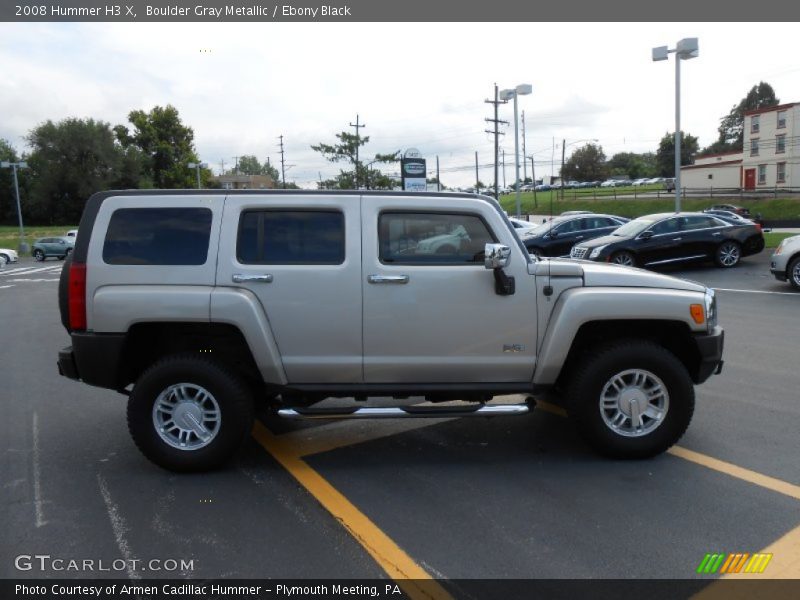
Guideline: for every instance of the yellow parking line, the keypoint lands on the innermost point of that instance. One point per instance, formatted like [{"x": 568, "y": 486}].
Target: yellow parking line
[
  {"x": 340, "y": 434},
  {"x": 412, "y": 579},
  {"x": 765, "y": 481}
]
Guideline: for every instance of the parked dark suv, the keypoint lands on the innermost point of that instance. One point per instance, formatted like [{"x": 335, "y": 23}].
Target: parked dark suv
[{"x": 556, "y": 237}]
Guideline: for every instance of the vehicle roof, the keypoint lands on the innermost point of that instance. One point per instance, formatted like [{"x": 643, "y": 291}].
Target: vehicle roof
[{"x": 278, "y": 192}]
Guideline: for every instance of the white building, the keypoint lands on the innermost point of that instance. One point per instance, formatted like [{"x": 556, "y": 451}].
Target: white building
[
  {"x": 722, "y": 170},
  {"x": 772, "y": 147},
  {"x": 770, "y": 159}
]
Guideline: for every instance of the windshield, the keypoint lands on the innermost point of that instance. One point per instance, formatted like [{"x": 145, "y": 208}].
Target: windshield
[{"x": 634, "y": 228}]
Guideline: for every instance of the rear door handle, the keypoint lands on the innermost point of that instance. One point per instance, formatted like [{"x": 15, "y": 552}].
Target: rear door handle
[
  {"x": 395, "y": 279},
  {"x": 677, "y": 239},
  {"x": 242, "y": 278},
  {"x": 718, "y": 233}
]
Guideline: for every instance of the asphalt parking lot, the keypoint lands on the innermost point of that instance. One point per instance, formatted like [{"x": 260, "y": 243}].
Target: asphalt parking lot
[{"x": 448, "y": 499}]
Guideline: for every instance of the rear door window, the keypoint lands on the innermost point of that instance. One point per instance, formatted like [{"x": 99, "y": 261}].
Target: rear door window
[
  {"x": 291, "y": 237},
  {"x": 158, "y": 236}
]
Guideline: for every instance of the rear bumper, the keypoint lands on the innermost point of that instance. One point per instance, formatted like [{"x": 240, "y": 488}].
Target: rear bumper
[
  {"x": 93, "y": 358},
  {"x": 710, "y": 348}
]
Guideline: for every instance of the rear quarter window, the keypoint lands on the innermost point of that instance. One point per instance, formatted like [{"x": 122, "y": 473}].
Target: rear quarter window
[
  {"x": 291, "y": 237},
  {"x": 158, "y": 236}
]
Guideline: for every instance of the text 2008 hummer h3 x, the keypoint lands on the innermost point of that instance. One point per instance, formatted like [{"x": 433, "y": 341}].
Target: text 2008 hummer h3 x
[{"x": 200, "y": 304}]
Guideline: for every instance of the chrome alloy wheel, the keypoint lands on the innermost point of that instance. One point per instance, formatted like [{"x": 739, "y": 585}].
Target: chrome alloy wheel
[
  {"x": 729, "y": 254},
  {"x": 634, "y": 403},
  {"x": 623, "y": 258},
  {"x": 795, "y": 274},
  {"x": 186, "y": 416}
]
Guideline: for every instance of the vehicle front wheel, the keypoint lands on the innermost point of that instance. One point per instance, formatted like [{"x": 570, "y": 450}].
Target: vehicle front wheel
[
  {"x": 624, "y": 258},
  {"x": 38, "y": 255},
  {"x": 728, "y": 254},
  {"x": 189, "y": 413},
  {"x": 793, "y": 272},
  {"x": 4, "y": 260},
  {"x": 630, "y": 399}
]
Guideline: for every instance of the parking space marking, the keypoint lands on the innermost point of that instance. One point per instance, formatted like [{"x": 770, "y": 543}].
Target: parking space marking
[
  {"x": 2, "y": 287},
  {"x": 119, "y": 527},
  {"x": 765, "y": 481},
  {"x": 341, "y": 434},
  {"x": 37, "y": 475},
  {"x": 411, "y": 577},
  {"x": 30, "y": 270},
  {"x": 756, "y": 292}
]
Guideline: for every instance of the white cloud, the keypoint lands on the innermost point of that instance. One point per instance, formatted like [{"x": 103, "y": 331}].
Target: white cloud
[{"x": 240, "y": 86}]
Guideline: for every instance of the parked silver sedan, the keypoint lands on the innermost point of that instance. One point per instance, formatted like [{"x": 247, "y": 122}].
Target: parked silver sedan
[{"x": 785, "y": 261}]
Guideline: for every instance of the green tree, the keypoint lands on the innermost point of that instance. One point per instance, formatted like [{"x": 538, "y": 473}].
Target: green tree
[
  {"x": 586, "y": 163},
  {"x": 731, "y": 129},
  {"x": 69, "y": 161},
  {"x": 347, "y": 150},
  {"x": 167, "y": 144},
  {"x": 249, "y": 165},
  {"x": 665, "y": 157},
  {"x": 633, "y": 165}
]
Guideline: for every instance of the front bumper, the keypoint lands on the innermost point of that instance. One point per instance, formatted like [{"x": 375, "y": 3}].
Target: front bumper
[
  {"x": 778, "y": 268},
  {"x": 709, "y": 346}
]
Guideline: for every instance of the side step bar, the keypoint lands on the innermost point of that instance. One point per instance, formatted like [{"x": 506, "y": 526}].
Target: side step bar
[{"x": 394, "y": 412}]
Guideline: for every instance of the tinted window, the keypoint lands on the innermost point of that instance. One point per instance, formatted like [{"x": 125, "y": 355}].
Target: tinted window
[
  {"x": 300, "y": 237},
  {"x": 432, "y": 238},
  {"x": 699, "y": 223},
  {"x": 570, "y": 226},
  {"x": 597, "y": 222},
  {"x": 158, "y": 236},
  {"x": 667, "y": 226}
]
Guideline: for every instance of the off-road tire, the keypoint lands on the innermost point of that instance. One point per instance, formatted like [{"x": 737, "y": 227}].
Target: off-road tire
[
  {"x": 598, "y": 367},
  {"x": 230, "y": 391}
]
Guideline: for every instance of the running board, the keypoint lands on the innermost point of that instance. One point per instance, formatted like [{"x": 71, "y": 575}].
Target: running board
[{"x": 394, "y": 412}]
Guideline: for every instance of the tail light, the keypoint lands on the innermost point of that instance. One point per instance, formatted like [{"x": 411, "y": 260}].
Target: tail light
[
  {"x": 76, "y": 297},
  {"x": 759, "y": 228}
]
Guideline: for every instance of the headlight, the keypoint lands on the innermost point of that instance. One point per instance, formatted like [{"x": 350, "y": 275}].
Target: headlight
[
  {"x": 596, "y": 251},
  {"x": 711, "y": 308},
  {"x": 779, "y": 249}
]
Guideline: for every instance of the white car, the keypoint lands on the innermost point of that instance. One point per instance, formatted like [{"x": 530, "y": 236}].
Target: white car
[
  {"x": 7, "y": 255},
  {"x": 521, "y": 226},
  {"x": 73, "y": 233}
]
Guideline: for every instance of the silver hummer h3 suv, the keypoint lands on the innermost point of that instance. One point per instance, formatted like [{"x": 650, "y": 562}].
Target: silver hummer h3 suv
[{"x": 197, "y": 305}]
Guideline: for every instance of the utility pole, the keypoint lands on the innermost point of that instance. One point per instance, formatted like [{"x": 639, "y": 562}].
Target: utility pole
[
  {"x": 236, "y": 167},
  {"x": 497, "y": 135},
  {"x": 438, "y": 182},
  {"x": 320, "y": 179},
  {"x": 22, "y": 246},
  {"x": 358, "y": 143},
  {"x": 524, "y": 164},
  {"x": 533, "y": 179},
  {"x": 477, "y": 179},
  {"x": 561, "y": 174},
  {"x": 222, "y": 166},
  {"x": 283, "y": 168},
  {"x": 504, "y": 168}
]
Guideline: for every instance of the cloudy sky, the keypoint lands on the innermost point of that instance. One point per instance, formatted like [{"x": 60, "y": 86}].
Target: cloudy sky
[{"x": 240, "y": 86}]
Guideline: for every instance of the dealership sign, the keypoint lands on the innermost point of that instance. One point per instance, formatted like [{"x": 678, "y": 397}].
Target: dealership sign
[{"x": 413, "y": 170}]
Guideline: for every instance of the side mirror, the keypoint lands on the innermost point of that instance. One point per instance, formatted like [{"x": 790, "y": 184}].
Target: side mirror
[
  {"x": 646, "y": 235},
  {"x": 496, "y": 256}
]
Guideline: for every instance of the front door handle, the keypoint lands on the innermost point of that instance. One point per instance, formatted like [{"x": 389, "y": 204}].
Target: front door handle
[
  {"x": 395, "y": 279},
  {"x": 718, "y": 233},
  {"x": 677, "y": 239},
  {"x": 242, "y": 278}
]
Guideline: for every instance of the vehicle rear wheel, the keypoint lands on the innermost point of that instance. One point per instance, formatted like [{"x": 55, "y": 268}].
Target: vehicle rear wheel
[
  {"x": 38, "y": 255},
  {"x": 4, "y": 260},
  {"x": 728, "y": 254},
  {"x": 624, "y": 258},
  {"x": 189, "y": 413},
  {"x": 630, "y": 399},
  {"x": 793, "y": 272}
]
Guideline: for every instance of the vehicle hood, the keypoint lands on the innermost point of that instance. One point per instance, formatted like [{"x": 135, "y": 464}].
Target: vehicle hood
[
  {"x": 601, "y": 241},
  {"x": 609, "y": 275}
]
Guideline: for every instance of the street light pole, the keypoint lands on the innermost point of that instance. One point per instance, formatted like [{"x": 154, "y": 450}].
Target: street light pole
[
  {"x": 522, "y": 89},
  {"x": 197, "y": 167},
  {"x": 684, "y": 50},
  {"x": 22, "y": 246}
]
